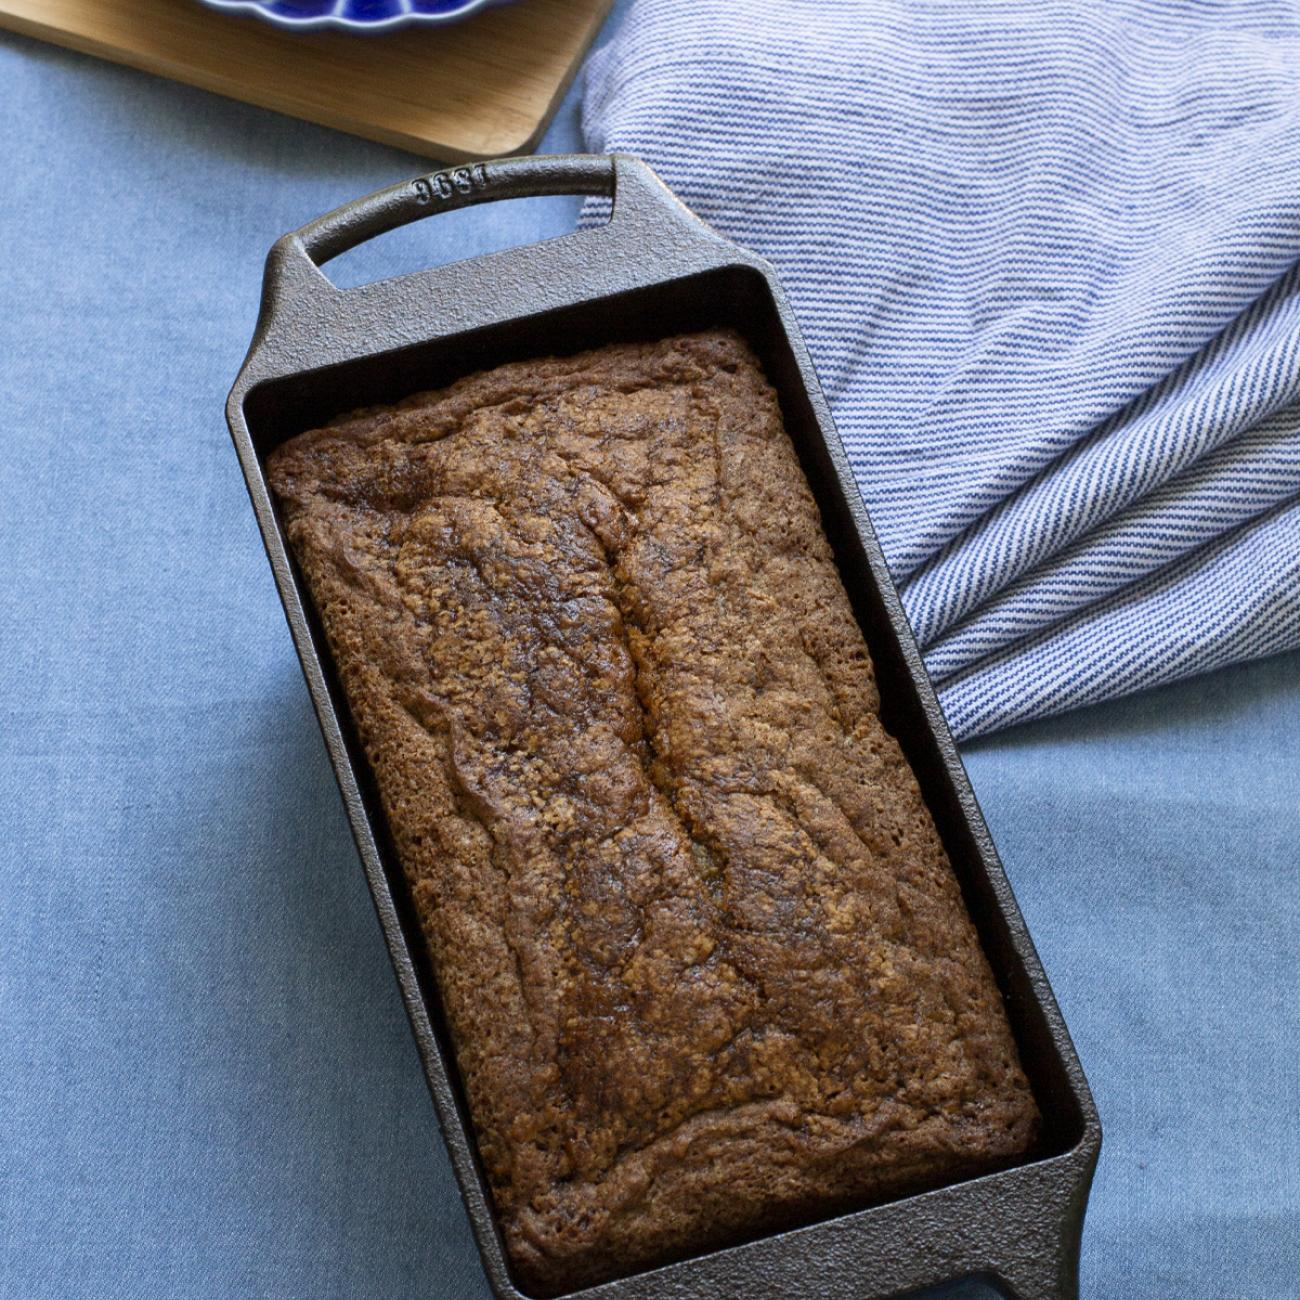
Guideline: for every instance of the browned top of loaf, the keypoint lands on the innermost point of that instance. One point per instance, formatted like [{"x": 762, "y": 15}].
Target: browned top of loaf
[{"x": 705, "y": 963}]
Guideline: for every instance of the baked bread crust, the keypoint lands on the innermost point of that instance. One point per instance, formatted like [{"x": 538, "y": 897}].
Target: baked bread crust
[{"x": 704, "y": 961}]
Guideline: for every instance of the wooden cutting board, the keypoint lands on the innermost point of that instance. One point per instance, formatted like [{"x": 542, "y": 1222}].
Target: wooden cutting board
[{"x": 479, "y": 89}]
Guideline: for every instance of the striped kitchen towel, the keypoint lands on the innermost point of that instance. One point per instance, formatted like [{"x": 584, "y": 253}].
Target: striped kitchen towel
[{"x": 1044, "y": 253}]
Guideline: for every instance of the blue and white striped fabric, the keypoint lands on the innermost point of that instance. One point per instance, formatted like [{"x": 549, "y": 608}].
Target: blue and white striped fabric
[{"x": 1045, "y": 256}]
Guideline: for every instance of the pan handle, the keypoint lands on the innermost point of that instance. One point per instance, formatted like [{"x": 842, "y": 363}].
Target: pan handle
[
  {"x": 456, "y": 187},
  {"x": 649, "y": 232}
]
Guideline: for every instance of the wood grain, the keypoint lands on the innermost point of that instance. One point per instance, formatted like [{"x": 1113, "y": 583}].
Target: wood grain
[{"x": 482, "y": 88}]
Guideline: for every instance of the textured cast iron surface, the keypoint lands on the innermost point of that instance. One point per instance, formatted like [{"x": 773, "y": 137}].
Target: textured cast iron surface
[{"x": 652, "y": 270}]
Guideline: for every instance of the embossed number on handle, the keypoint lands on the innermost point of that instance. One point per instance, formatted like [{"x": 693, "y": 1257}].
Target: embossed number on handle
[{"x": 440, "y": 186}]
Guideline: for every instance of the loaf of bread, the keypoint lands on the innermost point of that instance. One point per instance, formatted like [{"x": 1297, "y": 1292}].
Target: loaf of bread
[{"x": 705, "y": 964}]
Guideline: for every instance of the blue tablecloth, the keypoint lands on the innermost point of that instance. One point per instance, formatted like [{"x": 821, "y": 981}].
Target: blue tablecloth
[{"x": 207, "y": 1084}]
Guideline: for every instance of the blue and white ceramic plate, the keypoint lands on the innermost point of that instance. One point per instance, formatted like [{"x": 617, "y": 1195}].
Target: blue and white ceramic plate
[{"x": 354, "y": 15}]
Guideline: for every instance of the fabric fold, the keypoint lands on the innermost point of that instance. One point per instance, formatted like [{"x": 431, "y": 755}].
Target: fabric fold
[
  {"x": 1259, "y": 562},
  {"x": 1240, "y": 378},
  {"x": 1228, "y": 488}
]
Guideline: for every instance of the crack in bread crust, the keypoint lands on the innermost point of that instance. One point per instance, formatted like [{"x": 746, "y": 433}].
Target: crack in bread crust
[{"x": 705, "y": 964}]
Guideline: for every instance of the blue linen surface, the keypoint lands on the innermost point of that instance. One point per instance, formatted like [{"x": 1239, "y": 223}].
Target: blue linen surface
[
  {"x": 207, "y": 1085},
  {"x": 1045, "y": 256}
]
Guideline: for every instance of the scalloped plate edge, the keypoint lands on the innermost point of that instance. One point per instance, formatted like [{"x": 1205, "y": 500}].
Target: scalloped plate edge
[{"x": 339, "y": 22}]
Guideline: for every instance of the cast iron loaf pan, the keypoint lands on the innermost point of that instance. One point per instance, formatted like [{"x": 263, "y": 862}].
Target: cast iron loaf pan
[{"x": 656, "y": 270}]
